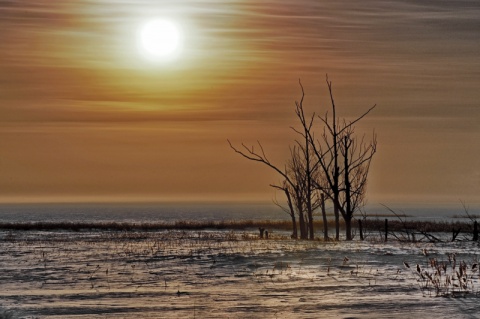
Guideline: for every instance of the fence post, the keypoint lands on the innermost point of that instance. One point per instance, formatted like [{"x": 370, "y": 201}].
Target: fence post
[
  {"x": 475, "y": 231},
  {"x": 360, "y": 227},
  {"x": 386, "y": 229},
  {"x": 262, "y": 230}
]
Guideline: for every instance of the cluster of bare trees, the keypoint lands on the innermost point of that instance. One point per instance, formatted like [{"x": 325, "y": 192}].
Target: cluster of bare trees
[{"x": 332, "y": 166}]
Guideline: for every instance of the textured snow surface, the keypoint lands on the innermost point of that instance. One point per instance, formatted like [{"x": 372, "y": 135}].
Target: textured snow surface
[{"x": 213, "y": 274}]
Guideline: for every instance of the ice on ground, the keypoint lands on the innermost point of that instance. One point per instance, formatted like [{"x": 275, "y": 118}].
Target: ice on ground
[{"x": 220, "y": 274}]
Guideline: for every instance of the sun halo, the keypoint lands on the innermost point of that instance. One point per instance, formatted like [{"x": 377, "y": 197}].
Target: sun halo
[{"x": 160, "y": 40}]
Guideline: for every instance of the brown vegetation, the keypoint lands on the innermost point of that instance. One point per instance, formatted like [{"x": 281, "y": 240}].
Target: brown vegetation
[
  {"x": 282, "y": 225},
  {"x": 154, "y": 226}
]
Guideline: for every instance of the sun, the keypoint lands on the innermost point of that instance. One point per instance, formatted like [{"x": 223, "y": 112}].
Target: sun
[{"x": 160, "y": 40}]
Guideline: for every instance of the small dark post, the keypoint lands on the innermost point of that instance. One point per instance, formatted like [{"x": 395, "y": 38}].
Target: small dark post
[
  {"x": 475, "y": 231},
  {"x": 386, "y": 229},
  {"x": 455, "y": 233},
  {"x": 360, "y": 227},
  {"x": 266, "y": 234},
  {"x": 262, "y": 230}
]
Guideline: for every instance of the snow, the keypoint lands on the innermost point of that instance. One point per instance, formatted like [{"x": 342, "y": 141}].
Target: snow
[{"x": 222, "y": 274}]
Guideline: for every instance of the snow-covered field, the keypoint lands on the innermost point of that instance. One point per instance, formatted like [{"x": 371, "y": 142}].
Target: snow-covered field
[{"x": 221, "y": 274}]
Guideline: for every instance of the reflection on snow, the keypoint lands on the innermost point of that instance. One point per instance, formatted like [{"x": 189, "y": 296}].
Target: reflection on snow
[{"x": 213, "y": 274}]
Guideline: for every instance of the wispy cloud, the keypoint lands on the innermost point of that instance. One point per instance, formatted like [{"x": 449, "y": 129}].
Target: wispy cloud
[{"x": 76, "y": 63}]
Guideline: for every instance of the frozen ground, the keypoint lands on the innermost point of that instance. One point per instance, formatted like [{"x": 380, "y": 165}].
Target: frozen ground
[{"x": 212, "y": 274}]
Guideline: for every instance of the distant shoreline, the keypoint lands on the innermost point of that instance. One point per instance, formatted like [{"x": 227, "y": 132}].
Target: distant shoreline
[{"x": 375, "y": 224}]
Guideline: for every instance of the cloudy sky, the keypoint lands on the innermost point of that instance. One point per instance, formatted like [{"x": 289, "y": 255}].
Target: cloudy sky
[{"x": 85, "y": 115}]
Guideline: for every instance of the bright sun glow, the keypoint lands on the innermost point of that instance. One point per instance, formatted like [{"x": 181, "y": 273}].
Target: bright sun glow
[{"x": 160, "y": 40}]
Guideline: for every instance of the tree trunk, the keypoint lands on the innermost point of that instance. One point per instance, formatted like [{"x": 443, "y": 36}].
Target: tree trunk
[
  {"x": 348, "y": 228},
  {"x": 348, "y": 199},
  {"x": 309, "y": 184},
  {"x": 301, "y": 221},
  {"x": 325, "y": 221},
  {"x": 337, "y": 219},
  {"x": 303, "y": 229},
  {"x": 310, "y": 224},
  {"x": 294, "y": 227},
  {"x": 292, "y": 214},
  {"x": 336, "y": 171}
]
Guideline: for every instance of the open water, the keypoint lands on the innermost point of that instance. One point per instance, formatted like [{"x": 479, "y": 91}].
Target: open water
[{"x": 158, "y": 212}]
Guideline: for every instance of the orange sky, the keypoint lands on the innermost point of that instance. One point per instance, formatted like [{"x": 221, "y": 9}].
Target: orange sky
[{"x": 83, "y": 116}]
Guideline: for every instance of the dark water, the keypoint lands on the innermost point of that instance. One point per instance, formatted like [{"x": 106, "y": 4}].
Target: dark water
[
  {"x": 156, "y": 212},
  {"x": 138, "y": 212}
]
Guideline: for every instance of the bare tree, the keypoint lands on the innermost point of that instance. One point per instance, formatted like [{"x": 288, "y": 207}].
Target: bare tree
[
  {"x": 335, "y": 167},
  {"x": 294, "y": 185},
  {"x": 298, "y": 175},
  {"x": 310, "y": 166},
  {"x": 306, "y": 197},
  {"x": 309, "y": 198},
  {"x": 324, "y": 217},
  {"x": 295, "y": 191},
  {"x": 345, "y": 163},
  {"x": 357, "y": 156},
  {"x": 326, "y": 153},
  {"x": 287, "y": 190},
  {"x": 319, "y": 182},
  {"x": 289, "y": 185}
]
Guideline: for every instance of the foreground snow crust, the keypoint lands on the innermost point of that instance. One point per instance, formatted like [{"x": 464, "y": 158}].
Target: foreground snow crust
[{"x": 222, "y": 274}]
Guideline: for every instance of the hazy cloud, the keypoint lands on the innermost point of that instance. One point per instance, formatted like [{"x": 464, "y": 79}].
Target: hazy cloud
[{"x": 69, "y": 68}]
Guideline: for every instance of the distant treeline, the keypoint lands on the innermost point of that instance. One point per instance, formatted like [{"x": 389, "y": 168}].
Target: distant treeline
[
  {"x": 153, "y": 226},
  {"x": 368, "y": 225}
]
